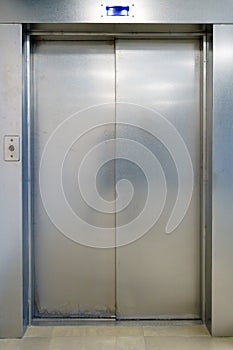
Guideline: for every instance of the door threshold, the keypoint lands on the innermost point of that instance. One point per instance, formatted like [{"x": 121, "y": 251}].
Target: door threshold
[{"x": 111, "y": 321}]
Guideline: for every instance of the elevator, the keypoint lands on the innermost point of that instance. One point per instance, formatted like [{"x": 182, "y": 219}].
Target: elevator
[
  {"x": 116, "y": 163},
  {"x": 117, "y": 158}
]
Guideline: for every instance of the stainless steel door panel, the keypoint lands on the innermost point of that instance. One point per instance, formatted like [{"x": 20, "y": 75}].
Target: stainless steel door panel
[
  {"x": 158, "y": 275},
  {"x": 157, "y": 91},
  {"x": 72, "y": 279}
]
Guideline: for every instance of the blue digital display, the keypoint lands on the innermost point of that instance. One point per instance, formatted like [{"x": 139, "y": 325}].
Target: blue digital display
[{"x": 117, "y": 10}]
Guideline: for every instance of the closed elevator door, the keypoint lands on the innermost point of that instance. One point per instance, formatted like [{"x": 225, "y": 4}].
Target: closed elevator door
[{"x": 116, "y": 199}]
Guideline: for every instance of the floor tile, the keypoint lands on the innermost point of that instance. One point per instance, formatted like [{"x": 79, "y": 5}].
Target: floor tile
[
  {"x": 187, "y": 343},
  {"x": 39, "y": 331},
  {"x": 76, "y": 331},
  {"x": 117, "y": 337},
  {"x": 28, "y": 344},
  {"x": 130, "y": 343},
  {"x": 192, "y": 330},
  {"x": 2, "y": 344},
  {"x": 129, "y": 331},
  {"x": 83, "y": 343}
]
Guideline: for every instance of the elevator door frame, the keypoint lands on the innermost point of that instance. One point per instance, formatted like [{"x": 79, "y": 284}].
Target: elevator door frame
[{"x": 203, "y": 142}]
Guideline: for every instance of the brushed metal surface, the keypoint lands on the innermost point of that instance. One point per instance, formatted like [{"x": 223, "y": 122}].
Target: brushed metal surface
[
  {"x": 11, "y": 244},
  {"x": 27, "y": 157},
  {"x": 208, "y": 202},
  {"x": 222, "y": 189},
  {"x": 157, "y": 11},
  {"x": 158, "y": 276},
  {"x": 72, "y": 279},
  {"x": 96, "y": 28}
]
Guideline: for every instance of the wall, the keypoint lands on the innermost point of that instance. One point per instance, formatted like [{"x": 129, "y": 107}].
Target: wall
[
  {"x": 155, "y": 11},
  {"x": 222, "y": 185},
  {"x": 11, "y": 285}
]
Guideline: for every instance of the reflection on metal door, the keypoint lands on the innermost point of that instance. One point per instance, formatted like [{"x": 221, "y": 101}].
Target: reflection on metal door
[
  {"x": 158, "y": 276},
  {"x": 117, "y": 179},
  {"x": 71, "y": 279}
]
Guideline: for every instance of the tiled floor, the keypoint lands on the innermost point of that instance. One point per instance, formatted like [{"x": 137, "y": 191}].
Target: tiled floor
[{"x": 118, "y": 338}]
